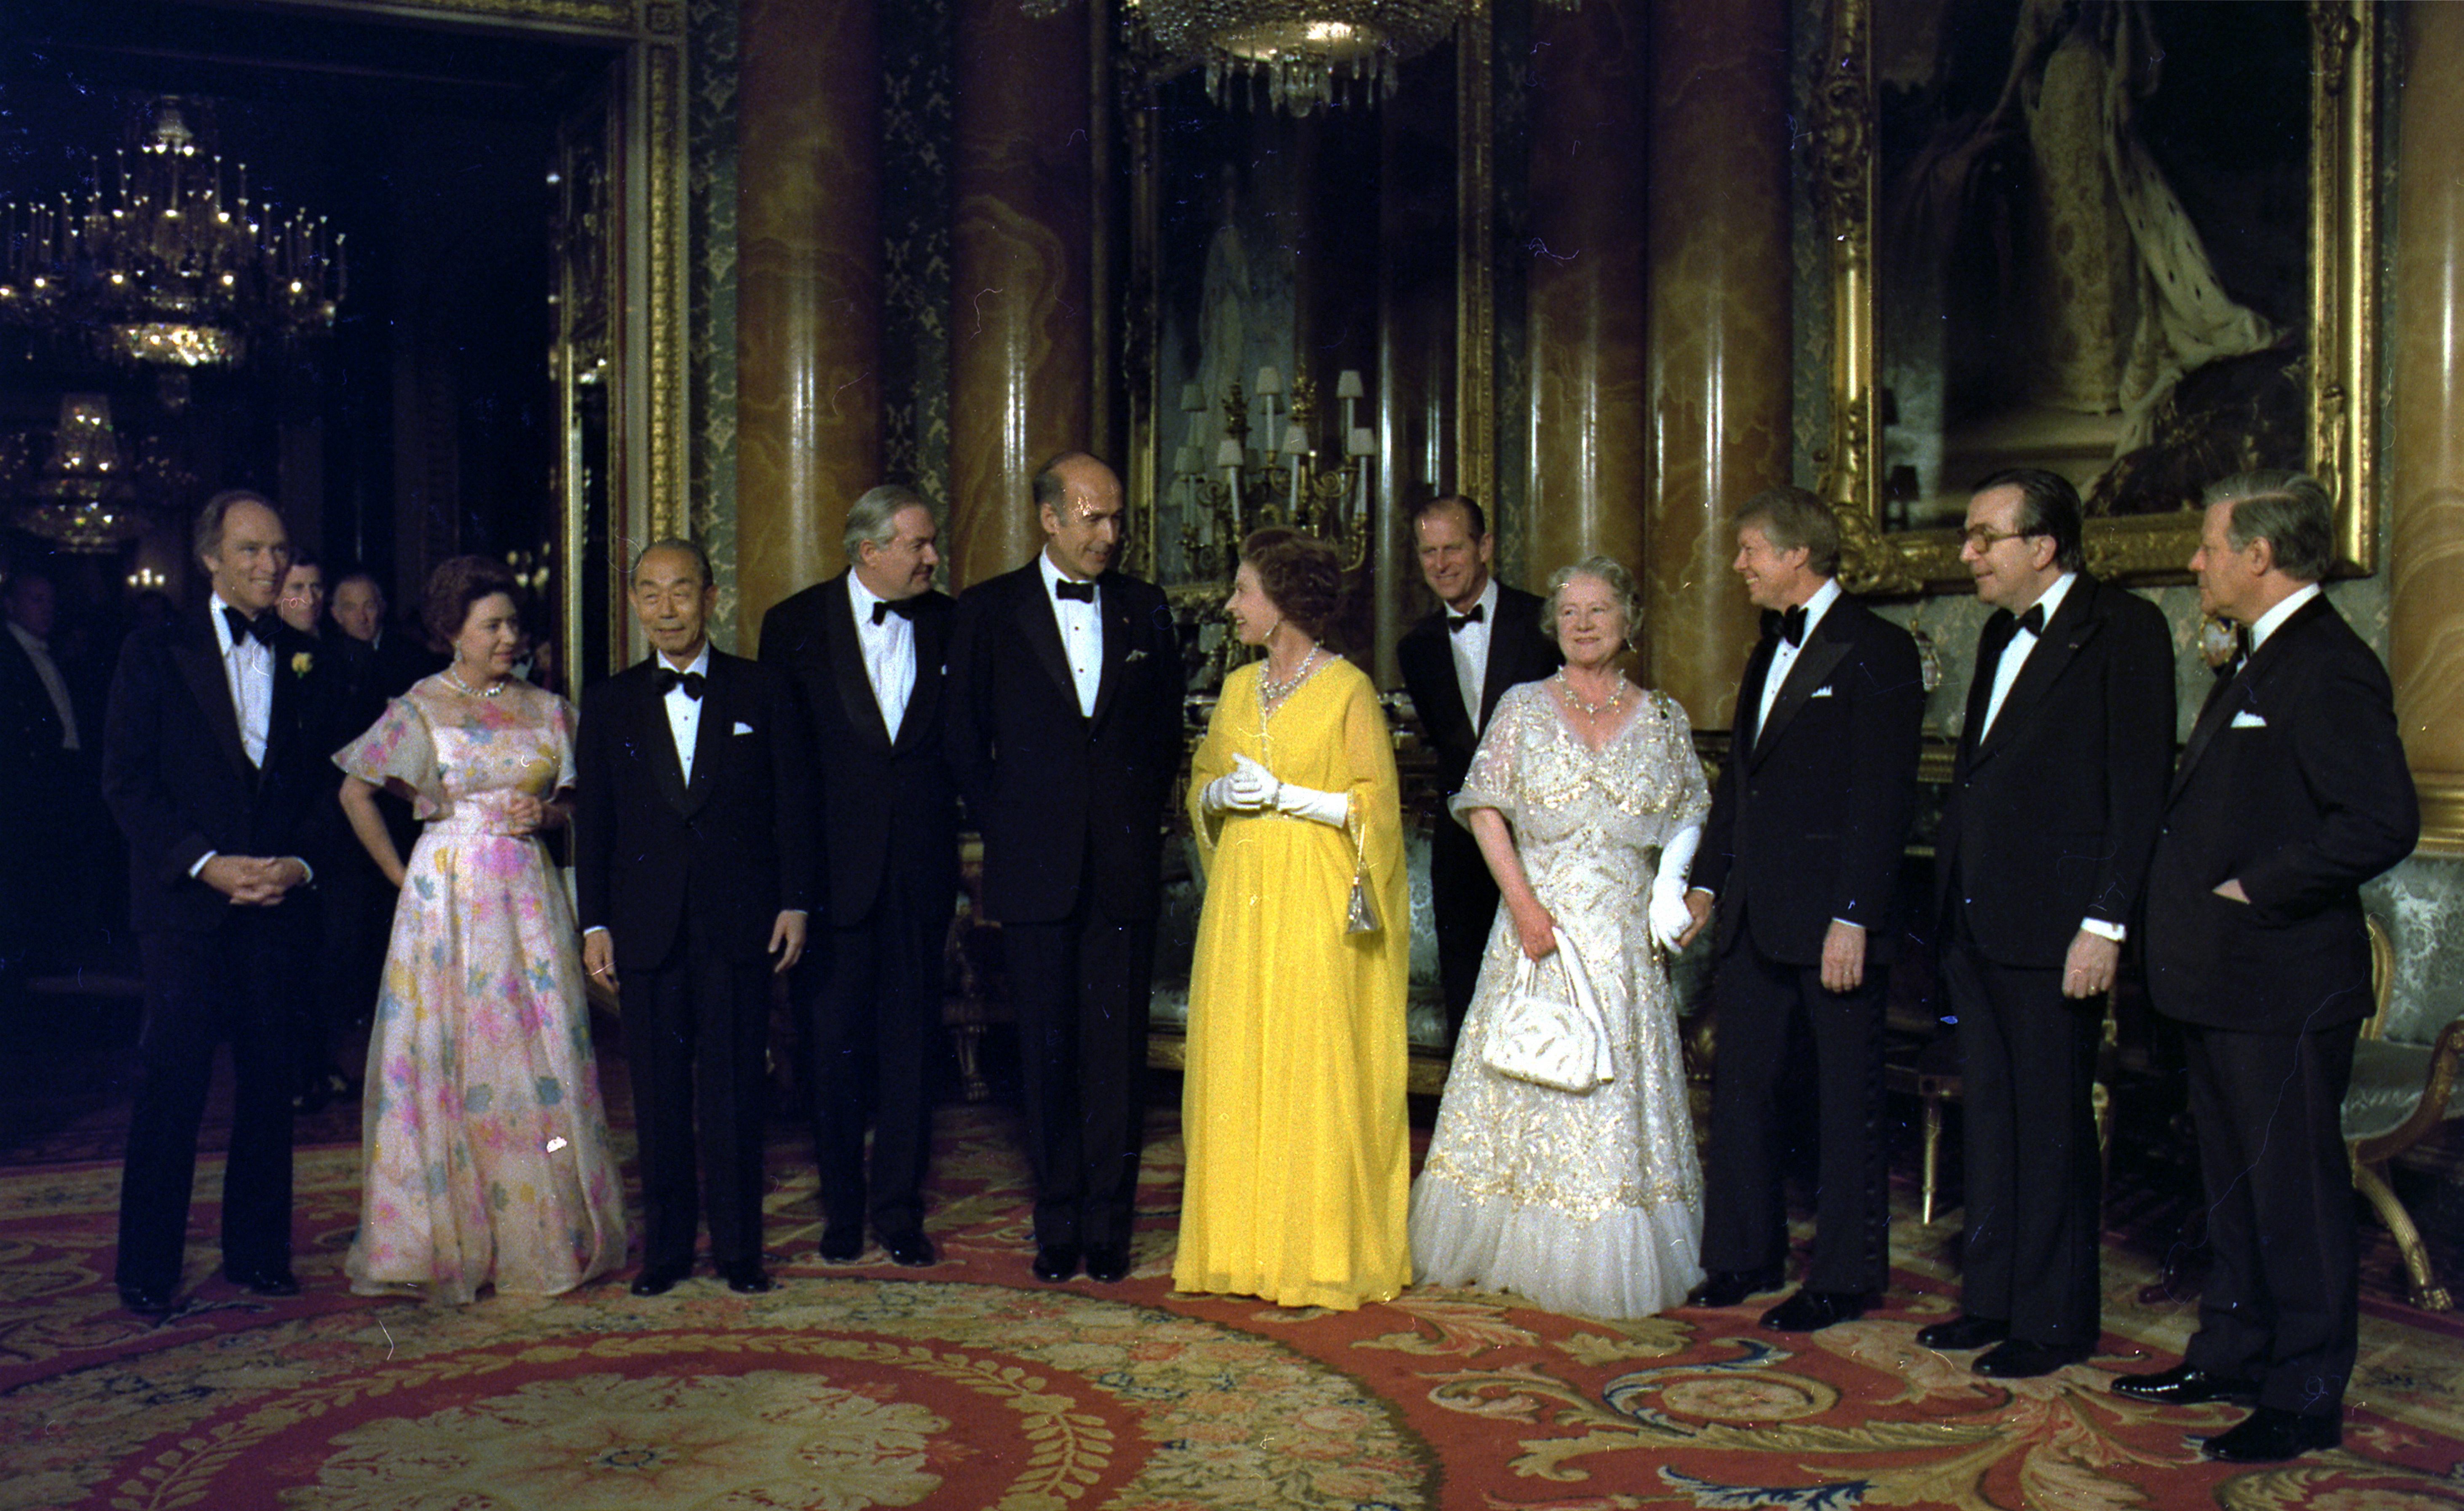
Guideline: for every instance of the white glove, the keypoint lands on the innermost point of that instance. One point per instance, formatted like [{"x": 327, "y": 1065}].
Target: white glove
[
  {"x": 1246, "y": 788},
  {"x": 1669, "y": 915},
  {"x": 1330, "y": 808}
]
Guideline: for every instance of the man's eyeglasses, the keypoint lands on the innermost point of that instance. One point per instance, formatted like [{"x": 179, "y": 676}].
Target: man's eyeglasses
[{"x": 1985, "y": 537}]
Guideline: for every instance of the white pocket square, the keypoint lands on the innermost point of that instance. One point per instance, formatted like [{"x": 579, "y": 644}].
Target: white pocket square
[
  {"x": 1820, "y": 693},
  {"x": 742, "y": 729},
  {"x": 2246, "y": 720}
]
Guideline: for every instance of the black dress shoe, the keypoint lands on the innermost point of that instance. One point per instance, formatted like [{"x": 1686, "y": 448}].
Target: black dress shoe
[
  {"x": 2271, "y": 1434},
  {"x": 2184, "y": 1386},
  {"x": 746, "y": 1277},
  {"x": 1962, "y": 1332},
  {"x": 2018, "y": 1359},
  {"x": 271, "y": 1281},
  {"x": 909, "y": 1248},
  {"x": 1056, "y": 1261},
  {"x": 841, "y": 1245},
  {"x": 1725, "y": 1289},
  {"x": 1108, "y": 1261},
  {"x": 146, "y": 1300},
  {"x": 1810, "y": 1310},
  {"x": 658, "y": 1279}
]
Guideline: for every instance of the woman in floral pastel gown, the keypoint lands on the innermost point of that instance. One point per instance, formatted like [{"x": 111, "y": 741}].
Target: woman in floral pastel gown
[
  {"x": 1588, "y": 1203},
  {"x": 487, "y": 1155}
]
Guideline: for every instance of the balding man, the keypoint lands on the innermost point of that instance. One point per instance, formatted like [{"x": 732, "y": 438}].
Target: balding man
[
  {"x": 1063, "y": 727},
  {"x": 213, "y": 763}
]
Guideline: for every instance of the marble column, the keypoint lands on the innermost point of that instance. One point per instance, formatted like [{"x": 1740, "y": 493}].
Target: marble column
[
  {"x": 2425, "y": 435},
  {"x": 1021, "y": 349},
  {"x": 1585, "y": 285},
  {"x": 1718, "y": 343},
  {"x": 809, "y": 290}
]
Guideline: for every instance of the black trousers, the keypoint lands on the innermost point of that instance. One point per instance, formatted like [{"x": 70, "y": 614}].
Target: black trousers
[
  {"x": 2027, "y": 1057},
  {"x": 1761, "y": 1002},
  {"x": 1462, "y": 902},
  {"x": 1081, "y": 987},
  {"x": 695, "y": 1030},
  {"x": 234, "y": 984},
  {"x": 870, "y": 1009},
  {"x": 2282, "y": 1300}
]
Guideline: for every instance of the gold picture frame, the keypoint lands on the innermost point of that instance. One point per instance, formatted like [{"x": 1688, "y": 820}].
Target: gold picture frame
[{"x": 2341, "y": 399}]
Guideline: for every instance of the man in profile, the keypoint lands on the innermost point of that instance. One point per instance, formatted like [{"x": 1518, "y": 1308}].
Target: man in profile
[
  {"x": 2291, "y": 792},
  {"x": 1483, "y": 638},
  {"x": 214, "y": 762},
  {"x": 1802, "y": 851},
  {"x": 1064, "y": 730},
  {"x": 865, "y": 651},
  {"x": 692, "y": 874},
  {"x": 2054, "y": 796}
]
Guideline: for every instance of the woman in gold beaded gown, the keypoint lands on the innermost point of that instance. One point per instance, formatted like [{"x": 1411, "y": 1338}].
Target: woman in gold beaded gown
[
  {"x": 1592, "y": 1202},
  {"x": 1292, "y": 1110}
]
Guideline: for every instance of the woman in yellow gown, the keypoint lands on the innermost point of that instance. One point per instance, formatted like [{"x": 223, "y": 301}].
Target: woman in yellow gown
[{"x": 1298, "y": 1174}]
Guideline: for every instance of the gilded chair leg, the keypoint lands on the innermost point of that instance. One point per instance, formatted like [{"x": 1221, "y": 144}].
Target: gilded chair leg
[
  {"x": 1932, "y": 1154},
  {"x": 2427, "y": 1293}
]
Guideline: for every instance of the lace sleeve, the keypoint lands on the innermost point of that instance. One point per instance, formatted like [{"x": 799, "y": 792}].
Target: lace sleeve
[
  {"x": 1693, "y": 802},
  {"x": 1495, "y": 778}
]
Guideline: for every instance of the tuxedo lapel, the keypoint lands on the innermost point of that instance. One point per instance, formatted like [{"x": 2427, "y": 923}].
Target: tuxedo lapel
[
  {"x": 1114, "y": 611},
  {"x": 1990, "y": 645},
  {"x": 1040, "y": 625},
  {"x": 201, "y": 665},
  {"x": 648, "y": 718},
  {"x": 1813, "y": 665},
  {"x": 710, "y": 733},
  {"x": 2072, "y": 627},
  {"x": 1749, "y": 696},
  {"x": 844, "y": 645},
  {"x": 932, "y": 640}
]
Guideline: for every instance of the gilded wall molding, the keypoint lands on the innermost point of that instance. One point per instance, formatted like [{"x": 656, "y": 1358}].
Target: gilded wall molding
[{"x": 1475, "y": 256}]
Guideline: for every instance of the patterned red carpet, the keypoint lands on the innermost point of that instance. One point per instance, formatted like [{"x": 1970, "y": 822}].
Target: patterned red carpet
[{"x": 969, "y": 1385}]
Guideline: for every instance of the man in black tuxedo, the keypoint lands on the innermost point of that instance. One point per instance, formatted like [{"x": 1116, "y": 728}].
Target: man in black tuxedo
[
  {"x": 2291, "y": 792},
  {"x": 44, "y": 889},
  {"x": 865, "y": 651},
  {"x": 1064, "y": 730},
  {"x": 1485, "y": 638},
  {"x": 1802, "y": 851},
  {"x": 692, "y": 869},
  {"x": 2054, "y": 796},
  {"x": 214, "y": 762}
]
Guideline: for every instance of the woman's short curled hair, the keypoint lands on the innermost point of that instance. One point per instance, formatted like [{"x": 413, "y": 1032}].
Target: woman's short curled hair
[
  {"x": 1302, "y": 573},
  {"x": 457, "y": 584},
  {"x": 1606, "y": 570}
]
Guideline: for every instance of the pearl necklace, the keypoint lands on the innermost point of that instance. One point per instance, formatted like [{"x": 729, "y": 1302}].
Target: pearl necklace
[
  {"x": 467, "y": 691},
  {"x": 1273, "y": 691},
  {"x": 1616, "y": 698}
]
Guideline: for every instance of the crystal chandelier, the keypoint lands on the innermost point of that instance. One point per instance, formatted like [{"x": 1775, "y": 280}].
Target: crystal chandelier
[
  {"x": 1305, "y": 51},
  {"x": 175, "y": 267},
  {"x": 80, "y": 486}
]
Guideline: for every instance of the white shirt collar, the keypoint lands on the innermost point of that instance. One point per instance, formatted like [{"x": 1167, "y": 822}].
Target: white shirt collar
[
  {"x": 2051, "y": 599},
  {"x": 218, "y": 612},
  {"x": 2274, "y": 618},
  {"x": 1053, "y": 576},
  {"x": 1820, "y": 604},
  {"x": 699, "y": 664},
  {"x": 1488, "y": 605},
  {"x": 861, "y": 598}
]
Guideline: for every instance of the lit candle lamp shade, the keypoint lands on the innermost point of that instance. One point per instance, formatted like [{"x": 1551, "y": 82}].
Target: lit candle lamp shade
[
  {"x": 1227, "y": 454},
  {"x": 1348, "y": 385},
  {"x": 1363, "y": 442},
  {"x": 1271, "y": 382},
  {"x": 1296, "y": 442}
]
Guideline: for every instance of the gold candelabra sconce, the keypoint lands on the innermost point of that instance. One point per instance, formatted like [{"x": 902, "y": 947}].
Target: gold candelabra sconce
[{"x": 1281, "y": 482}]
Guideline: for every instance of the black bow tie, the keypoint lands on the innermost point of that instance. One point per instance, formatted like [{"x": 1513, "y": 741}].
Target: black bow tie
[
  {"x": 1082, "y": 591},
  {"x": 1789, "y": 626},
  {"x": 669, "y": 678},
  {"x": 242, "y": 626},
  {"x": 2032, "y": 621},
  {"x": 1456, "y": 622},
  {"x": 905, "y": 607},
  {"x": 2240, "y": 657}
]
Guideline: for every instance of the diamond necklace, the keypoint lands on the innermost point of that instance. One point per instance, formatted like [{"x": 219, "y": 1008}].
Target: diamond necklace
[
  {"x": 1274, "y": 691},
  {"x": 1616, "y": 698}
]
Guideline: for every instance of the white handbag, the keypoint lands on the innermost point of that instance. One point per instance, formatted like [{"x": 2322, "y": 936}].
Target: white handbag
[{"x": 1552, "y": 1036}]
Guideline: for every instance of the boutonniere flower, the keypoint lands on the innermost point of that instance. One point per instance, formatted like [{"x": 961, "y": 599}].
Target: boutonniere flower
[{"x": 301, "y": 661}]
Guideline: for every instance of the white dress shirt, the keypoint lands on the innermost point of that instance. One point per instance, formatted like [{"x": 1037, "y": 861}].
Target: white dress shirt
[
  {"x": 2274, "y": 618},
  {"x": 1081, "y": 634},
  {"x": 2014, "y": 653},
  {"x": 1784, "y": 654},
  {"x": 248, "y": 670},
  {"x": 46, "y": 671},
  {"x": 888, "y": 653},
  {"x": 684, "y": 712},
  {"x": 1470, "y": 647}
]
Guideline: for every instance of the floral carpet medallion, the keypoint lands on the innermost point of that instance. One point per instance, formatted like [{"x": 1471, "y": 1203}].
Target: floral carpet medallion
[{"x": 832, "y": 1395}]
